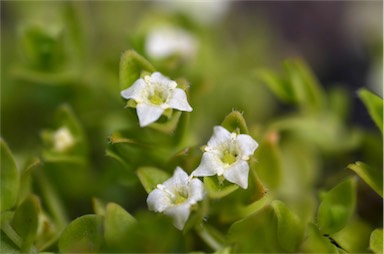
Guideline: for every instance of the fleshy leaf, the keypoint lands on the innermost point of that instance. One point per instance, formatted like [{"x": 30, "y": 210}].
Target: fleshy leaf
[
  {"x": 290, "y": 230},
  {"x": 278, "y": 85},
  {"x": 372, "y": 176},
  {"x": 376, "y": 241},
  {"x": 315, "y": 242},
  {"x": 25, "y": 221},
  {"x": 235, "y": 121},
  {"x": 374, "y": 104},
  {"x": 117, "y": 223},
  {"x": 216, "y": 189},
  {"x": 83, "y": 235},
  {"x": 150, "y": 177},
  {"x": 269, "y": 160},
  {"x": 9, "y": 180},
  {"x": 131, "y": 66},
  {"x": 337, "y": 206}
]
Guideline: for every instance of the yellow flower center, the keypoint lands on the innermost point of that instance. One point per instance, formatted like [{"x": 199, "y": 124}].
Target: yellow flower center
[
  {"x": 158, "y": 96},
  {"x": 180, "y": 197},
  {"x": 229, "y": 157}
]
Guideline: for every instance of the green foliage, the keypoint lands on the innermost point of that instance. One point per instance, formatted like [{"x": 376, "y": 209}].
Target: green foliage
[
  {"x": 376, "y": 241},
  {"x": 372, "y": 176},
  {"x": 84, "y": 235},
  {"x": 9, "y": 178},
  {"x": 337, "y": 206},
  {"x": 151, "y": 177},
  {"x": 131, "y": 66},
  {"x": 374, "y": 105}
]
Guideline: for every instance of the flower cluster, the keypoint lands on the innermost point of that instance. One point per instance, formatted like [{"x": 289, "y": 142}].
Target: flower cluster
[{"x": 226, "y": 154}]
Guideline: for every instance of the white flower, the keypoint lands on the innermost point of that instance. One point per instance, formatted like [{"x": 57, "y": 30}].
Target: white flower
[
  {"x": 227, "y": 154},
  {"x": 62, "y": 139},
  {"x": 154, "y": 94},
  {"x": 176, "y": 196},
  {"x": 166, "y": 41}
]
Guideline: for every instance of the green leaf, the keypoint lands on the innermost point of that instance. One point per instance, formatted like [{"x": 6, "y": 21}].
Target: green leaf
[
  {"x": 290, "y": 230},
  {"x": 372, "y": 176},
  {"x": 83, "y": 235},
  {"x": 255, "y": 233},
  {"x": 6, "y": 245},
  {"x": 25, "y": 179},
  {"x": 268, "y": 166},
  {"x": 217, "y": 189},
  {"x": 376, "y": 241},
  {"x": 374, "y": 104},
  {"x": 150, "y": 177},
  {"x": 337, "y": 206},
  {"x": 117, "y": 224},
  {"x": 235, "y": 122},
  {"x": 315, "y": 242},
  {"x": 25, "y": 221},
  {"x": 131, "y": 66},
  {"x": 9, "y": 180},
  {"x": 279, "y": 86}
]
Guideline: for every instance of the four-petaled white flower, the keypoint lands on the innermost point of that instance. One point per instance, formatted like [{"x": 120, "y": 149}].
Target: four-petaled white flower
[
  {"x": 154, "y": 94},
  {"x": 227, "y": 154},
  {"x": 176, "y": 196},
  {"x": 166, "y": 41},
  {"x": 62, "y": 139}
]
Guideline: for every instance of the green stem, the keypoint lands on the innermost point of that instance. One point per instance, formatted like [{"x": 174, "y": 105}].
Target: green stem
[
  {"x": 53, "y": 201},
  {"x": 12, "y": 235},
  {"x": 207, "y": 237}
]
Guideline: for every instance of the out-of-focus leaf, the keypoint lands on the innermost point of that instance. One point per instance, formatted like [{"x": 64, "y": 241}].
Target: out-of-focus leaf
[
  {"x": 315, "y": 242},
  {"x": 25, "y": 179},
  {"x": 374, "y": 104},
  {"x": 268, "y": 166},
  {"x": 305, "y": 86},
  {"x": 170, "y": 125},
  {"x": 6, "y": 245},
  {"x": 235, "y": 121},
  {"x": 9, "y": 180},
  {"x": 279, "y": 86},
  {"x": 372, "y": 176},
  {"x": 337, "y": 206},
  {"x": 289, "y": 227},
  {"x": 256, "y": 189},
  {"x": 150, "y": 177},
  {"x": 376, "y": 241},
  {"x": 83, "y": 235},
  {"x": 98, "y": 206},
  {"x": 349, "y": 240},
  {"x": 116, "y": 224},
  {"x": 131, "y": 66},
  {"x": 25, "y": 221},
  {"x": 216, "y": 189}
]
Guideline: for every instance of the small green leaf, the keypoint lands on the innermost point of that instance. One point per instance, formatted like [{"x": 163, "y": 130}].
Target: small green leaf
[
  {"x": 117, "y": 224},
  {"x": 83, "y": 235},
  {"x": 290, "y": 230},
  {"x": 278, "y": 85},
  {"x": 372, "y": 176},
  {"x": 131, "y": 66},
  {"x": 217, "y": 189},
  {"x": 268, "y": 166},
  {"x": 9, "y": 180},
  {"x": 25, "y": 179},
  {"x": 315, "y": 242},
  {"x": 337, "y": 206},
  {"x": 376, "y": 241},
  {"x": 150, "y": 177},
  {"x": 235, "y": 122},
  {"x": 374, "y": 104},
  {"x": 25, "y": 221}
]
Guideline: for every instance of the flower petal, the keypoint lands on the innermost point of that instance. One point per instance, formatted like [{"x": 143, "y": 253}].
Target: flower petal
[
  {"x": 159, "y": 78},
  {"x": 196, "y": 191},
  {"x": 247, "y": 144},
  {"x": 158, "y": 200},
  {"x": 220, "y": 136},
  {"x": 179, "y": 178},
  {"x": 135, "y": 90},
  {"x": 178, "y": 100},
  {"x": 209, "y": 165},
  {"x": 148, "y": 113},
  {"x": 179, "y": 214},
  {"x": 238, "y": 173}
]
